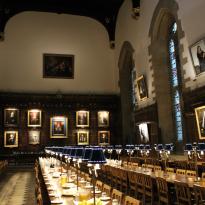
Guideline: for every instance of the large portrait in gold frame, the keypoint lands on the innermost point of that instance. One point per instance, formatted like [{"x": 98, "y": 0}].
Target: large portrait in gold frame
[
  {"x": 82, "y": 118},
  {"x": 11, "y": 139},
  {"x": 34, "y": 118},
  {"x": 200, "y": 120},
  {"x": 83, "y": 137},
  {"x": 142, "y": 88},
  {"x": 103, "y": 118},
  {"x": 104, "y": 137},
  {"x": 58, "y": 127}
]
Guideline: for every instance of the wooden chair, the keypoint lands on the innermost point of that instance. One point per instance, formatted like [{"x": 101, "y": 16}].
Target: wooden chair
[
  {"x": 140, "y": 185},
  {"x": 150, "y": 166},
  {"x": 203, "y": 176},
  {"x": 183, "y": 193},
  {"x": 117, "y": 195},
  {"x": 199, "y": 193},
  {"x": 132, "y": 179},
  {"x": 107, "y": 189},
  {"x": 123, "y": 180},
  {"x": 39, "y": 198},
  {"x": 99, "y": 185},
  {"x": 169, "y": 170},
  {"x": 134, "y": 166},
  {"x": 157, "y": 168},
  {"x": 181, "y": 171},
  {"x": 191, "y": 173},
  {"x": 108, "y": 179},
  {"x": 115, "y": 177},
  {"x": 148, "y": 190},
  {"x": 163, "y": 192},
  {"x": 131, "y": 201}
]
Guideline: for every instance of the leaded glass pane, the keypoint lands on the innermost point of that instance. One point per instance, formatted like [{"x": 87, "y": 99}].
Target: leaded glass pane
[{"x": 175, "y": 83}]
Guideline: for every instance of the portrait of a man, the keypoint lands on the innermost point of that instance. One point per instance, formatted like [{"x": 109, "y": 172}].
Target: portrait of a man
[
  {"x": 103, "y": 119},
  {"x": 103, "y": 137},
  {"x": 198, "y": 56},
  {"x": 34, "y": 118},
  {"x": 34, "y": 137},
  {"x": 83, "y": 137},
  {"x": 200, "y": 119},
  {"x": 10, "y": 139},
  {"x": 11, "y": 117},
  {"x": 82, "y": 118},
  {"x": 144, "y": 133},
  {"x": 58, "y": 126},
  {"x": 142, "y": 88}
]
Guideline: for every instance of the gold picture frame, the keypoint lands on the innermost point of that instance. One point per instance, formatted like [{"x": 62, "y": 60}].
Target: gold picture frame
[
  {"x": 142, "y": 88},
  {"x": 11, "y": 117},
  {"x": 34, "y": 118},
  {"x": 82, "y": 118},
  {"x": 103, "y": 118},
  {"x": 200, "y": 120},
  {"x": 103, "y": 137},
  {"x": 11, "y": 139},
  {"x": 58, "y": 127},
  {"x": 34, "y": 137},
  {"x": 83, "y": 137}
]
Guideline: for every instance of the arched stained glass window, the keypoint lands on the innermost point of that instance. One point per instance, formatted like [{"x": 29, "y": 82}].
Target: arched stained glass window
[
  {"x": 175, "y": 81},
  {"x": 134, "y": 99}
]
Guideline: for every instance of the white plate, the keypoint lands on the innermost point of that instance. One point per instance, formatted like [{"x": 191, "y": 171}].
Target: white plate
[
  {"x": 105, "y": 198},
  {"x": 68, "y": 185},
  {"x": 56, "y": 202},
  {"x": 88, "y": 186},
  {"x": 96, "y": 191},
  {"x": 51, "y": 189}
]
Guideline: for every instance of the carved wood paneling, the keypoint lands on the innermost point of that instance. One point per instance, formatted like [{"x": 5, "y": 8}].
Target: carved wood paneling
[{"x": 60, "y": 104}]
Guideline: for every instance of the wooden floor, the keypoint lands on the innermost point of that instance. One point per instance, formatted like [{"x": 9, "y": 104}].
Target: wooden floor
[{"x": 17, "y": 186}]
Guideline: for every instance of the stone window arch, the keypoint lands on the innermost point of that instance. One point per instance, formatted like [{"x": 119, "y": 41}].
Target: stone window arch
[
  {"x": 127, "y": 77},
  {"x": 164, "y": 17}
]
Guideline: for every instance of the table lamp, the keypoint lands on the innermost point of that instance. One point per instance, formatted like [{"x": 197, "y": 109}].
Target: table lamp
[
  {"x": 118, "y": 149},
  {"x": 96, "y": 158}
]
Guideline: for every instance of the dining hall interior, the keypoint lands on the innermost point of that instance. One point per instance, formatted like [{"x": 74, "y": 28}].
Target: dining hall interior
[{"x": 102, "y": 102}]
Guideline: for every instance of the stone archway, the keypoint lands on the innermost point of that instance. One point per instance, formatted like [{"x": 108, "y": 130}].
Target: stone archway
[
  {"x": 126, "y": 64},
  {"x": 164, "y": 16}
]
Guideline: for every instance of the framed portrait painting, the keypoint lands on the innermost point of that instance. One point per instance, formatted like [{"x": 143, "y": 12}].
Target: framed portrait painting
[
  {"x": 198, "y": 56},
  {"x": 200, "y": 120},
  {"x": 103, "y": 118},
  {"x": 11, "y": 117},
  {"x": 34, "y": 137},
  {"x": 58, "y": 127},
  {"x": 58, "y": 66},
  {"x": 103, "y": 137},
  {"x": 82, "y": 118},
  {"x": 83, "y": 137},
  {"x": 11, "y": 139},
  {"x": 144, "y": 132},
  {"x": 142, "y": 88},
  {"x": 34, "y": 118}
]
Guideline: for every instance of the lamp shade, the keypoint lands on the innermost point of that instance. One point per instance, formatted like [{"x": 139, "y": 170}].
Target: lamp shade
[
  {"x": 169, "y": 147},
  {"x": 97, "y": 156},
  {"x": 73, "y": 152},
  {"x": 129, "y": 146},
  {"x": 141, "y": 147},
  {"x": 87, "y": 154},
  {"x": 68, "y": 151},
  {"x": 79, "y": 153}
]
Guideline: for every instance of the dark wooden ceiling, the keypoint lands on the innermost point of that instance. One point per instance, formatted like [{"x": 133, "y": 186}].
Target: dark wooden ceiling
[{"x": 104, "y": 11}]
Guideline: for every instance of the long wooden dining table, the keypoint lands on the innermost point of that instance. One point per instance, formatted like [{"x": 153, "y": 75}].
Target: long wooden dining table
[
  {"x": 63, "y": 189},
  {"x": 168, "y": 176}
]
